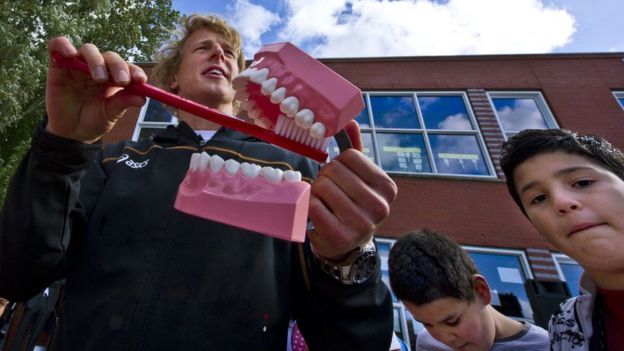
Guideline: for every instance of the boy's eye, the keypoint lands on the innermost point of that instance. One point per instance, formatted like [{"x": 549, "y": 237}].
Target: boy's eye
[
  {"x": 583, "y": 183},
  {"x": 453, "y": 322},
  {"x": 537, "y": 199}
]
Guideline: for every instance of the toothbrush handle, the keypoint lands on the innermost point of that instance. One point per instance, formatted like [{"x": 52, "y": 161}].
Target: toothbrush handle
[{"x": 148, "y": 90}]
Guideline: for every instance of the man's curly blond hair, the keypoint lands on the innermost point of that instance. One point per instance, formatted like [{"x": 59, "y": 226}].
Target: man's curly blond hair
[{"x": 169, "y": 55}]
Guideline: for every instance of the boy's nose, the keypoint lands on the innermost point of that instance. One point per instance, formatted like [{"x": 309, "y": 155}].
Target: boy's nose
[{"x": 565, "y": 203}]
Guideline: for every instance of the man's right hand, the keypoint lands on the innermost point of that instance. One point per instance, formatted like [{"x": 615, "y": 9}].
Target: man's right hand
[{"x": 83, "y": 107}]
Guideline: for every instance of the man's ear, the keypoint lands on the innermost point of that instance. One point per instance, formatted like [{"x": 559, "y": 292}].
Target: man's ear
[
  {"x": 482, "y": 288},
  {"x": 174, "y": 84}
]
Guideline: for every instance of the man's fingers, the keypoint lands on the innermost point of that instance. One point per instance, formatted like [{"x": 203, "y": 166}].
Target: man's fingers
[
  {"x": 94, "y": 59},
  {"x": 353, "y": 131}
]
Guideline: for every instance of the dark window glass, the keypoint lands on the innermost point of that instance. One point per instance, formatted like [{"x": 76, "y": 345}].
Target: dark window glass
[
  {"x": 506, "y": 279},
  {"x": 403, "y": 153},
  {"x": 444, "y": 112},
  {"x": 457, "y": 154},
  {"x": 156, "y": 112},
  {"x": 394, "y": 112},
  {"x": 621, "y": 101}
]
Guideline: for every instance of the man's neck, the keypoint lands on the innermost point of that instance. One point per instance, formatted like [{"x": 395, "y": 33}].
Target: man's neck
[{"x": 198, "y": 123}]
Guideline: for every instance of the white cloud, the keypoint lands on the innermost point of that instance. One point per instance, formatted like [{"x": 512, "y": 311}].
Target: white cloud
[
  {"x": 422, "y": 27},
  {"x": 252, "y": 21},
  {"x": 523, "y": 115},
  {"x": 457, "y": 121}
]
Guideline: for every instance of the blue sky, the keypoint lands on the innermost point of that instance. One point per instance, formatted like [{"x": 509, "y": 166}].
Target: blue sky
[{"x": 369, "y": 28}]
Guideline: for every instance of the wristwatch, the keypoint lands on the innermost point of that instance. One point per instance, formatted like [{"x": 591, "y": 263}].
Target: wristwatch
[{"x": 357, "y": 268}]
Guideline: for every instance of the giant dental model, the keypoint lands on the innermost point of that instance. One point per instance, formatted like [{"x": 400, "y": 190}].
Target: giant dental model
[{"x": 297, "y": 103}]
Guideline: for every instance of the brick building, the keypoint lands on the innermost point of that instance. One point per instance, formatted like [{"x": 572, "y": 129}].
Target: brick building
[{"x": 436, "y": 124}]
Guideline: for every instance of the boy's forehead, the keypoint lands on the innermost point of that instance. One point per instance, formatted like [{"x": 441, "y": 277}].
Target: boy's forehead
[{"x": 551, "y": 165}]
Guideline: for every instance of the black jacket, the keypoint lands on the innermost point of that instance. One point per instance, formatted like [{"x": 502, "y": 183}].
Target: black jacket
[{"x": 143, "y": 276}]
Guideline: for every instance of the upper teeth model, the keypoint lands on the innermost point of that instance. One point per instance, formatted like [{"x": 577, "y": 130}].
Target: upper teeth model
[{"x": 287, "y": 90}]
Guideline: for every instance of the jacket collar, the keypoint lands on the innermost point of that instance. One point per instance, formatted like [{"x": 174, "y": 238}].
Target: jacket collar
[{"x": 184, "y": 134}]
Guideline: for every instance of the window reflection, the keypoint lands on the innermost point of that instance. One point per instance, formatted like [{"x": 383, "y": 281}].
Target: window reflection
[
  {"x": 403, "y": 153},
  {"x": 444, "y": 112},
  {"x": 621, "y": 100},
  {"x": 506, "y": 277},
  {"x": 516, "y": 114},
  {"x": 367, "y": 143},
  {"x": 394, "y": 112},
  {"x": 157, "y": 112},
  {"x": 457, "y": 154},
  {"x": 362, "y": 118}
]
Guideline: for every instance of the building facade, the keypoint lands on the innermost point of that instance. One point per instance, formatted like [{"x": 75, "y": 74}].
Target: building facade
[{"x": 436, "y": 124}]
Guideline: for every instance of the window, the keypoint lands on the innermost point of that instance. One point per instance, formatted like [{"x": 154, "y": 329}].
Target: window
[
  {"x": 517, "y": 111},
  {"x": 422, "y": 133},
  {"x": 619, "y": 96},
  {"x": 400, "y": 319},
  {"x": 570, "y": 272},
  {"x": 506, "y": 271},
  {"x": 153, "y": 117}
]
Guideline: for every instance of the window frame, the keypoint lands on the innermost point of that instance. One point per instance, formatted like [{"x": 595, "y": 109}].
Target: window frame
[
  {"x": 560, "y": 258},
  {"x": 537, "y": 96},
  {"x": 476, "y": 131},
  {"x": 619, "y": 95},
  {"x": 141, "y": 123}
]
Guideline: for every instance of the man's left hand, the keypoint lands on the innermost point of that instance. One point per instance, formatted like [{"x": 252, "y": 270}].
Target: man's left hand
[{"x": 349, "y": 200}]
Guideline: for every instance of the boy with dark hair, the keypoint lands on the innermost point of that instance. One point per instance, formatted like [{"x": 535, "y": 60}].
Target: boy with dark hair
[
  {"x": 441, "y": 287},
  {"x": 571, "y": 188}
]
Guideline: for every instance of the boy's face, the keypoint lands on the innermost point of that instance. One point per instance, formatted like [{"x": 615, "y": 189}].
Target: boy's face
[
  {"x": 459, "y": 324},
  {"x": 206, "y": 70},
  {"x": 577, "y": 204}
]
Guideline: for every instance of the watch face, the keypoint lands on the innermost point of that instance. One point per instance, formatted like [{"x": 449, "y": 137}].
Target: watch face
[{"x": 364, "y": 267}]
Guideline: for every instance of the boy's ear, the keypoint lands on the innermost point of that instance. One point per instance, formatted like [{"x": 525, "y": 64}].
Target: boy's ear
[{"x": 482, "y": 288}]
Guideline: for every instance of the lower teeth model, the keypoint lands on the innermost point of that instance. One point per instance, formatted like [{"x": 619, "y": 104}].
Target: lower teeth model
[{"x": 262, "y": 199}]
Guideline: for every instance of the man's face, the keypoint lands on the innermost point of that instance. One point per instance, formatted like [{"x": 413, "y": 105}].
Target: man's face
[
  {"x": 459, "y": 324},
  {"x": 206, "y": 70},
  {"x": 577, "y": 204}
]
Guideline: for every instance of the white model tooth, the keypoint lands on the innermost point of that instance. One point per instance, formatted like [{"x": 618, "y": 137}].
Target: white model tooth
[
  {"x": 263, "y": 122},
  {"x": 317, "y": 130},
  {"x": 254, "y": 113},
  {"x": 278, "y": 95},
  {"x": 250, "y": 170},
  {"x": 304, "y": 118},
  {"x": 248, "y": 105},
  {"x": 241, "y": 95},
  {"x": 259, "y": 76},
  {"x": 240, "y": 82},
  {"x": 273, "y": 174},
  {"x": 292, "y": 176},
  {"x": 248, "y": 72},
  {"x": 216, "y": 163},
  {"x": 290, "y": 106},
  {"x": 232, "y": 166},
  {"x": 268, "y": 86},
  {"x": 204, "y": 159},
  {"x": 194, "y": 162}
]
